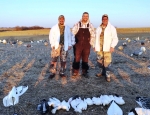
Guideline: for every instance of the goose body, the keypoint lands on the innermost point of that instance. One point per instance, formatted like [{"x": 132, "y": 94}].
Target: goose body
[
  {"x": 119, "y": 100},
  {"x": 11, "y": 99},
  {"x": 114, "y": 109},
  {"x": 97, "y": 100},
  {"x": 4, "y": 41},
  {"x": 89, "y": 101}
]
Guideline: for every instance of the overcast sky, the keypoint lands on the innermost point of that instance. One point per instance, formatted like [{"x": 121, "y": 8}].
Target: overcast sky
[{"x": 122, "y": 13}]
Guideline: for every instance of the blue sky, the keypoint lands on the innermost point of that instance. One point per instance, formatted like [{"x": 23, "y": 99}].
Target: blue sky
[{"x": 122, "y": 13}]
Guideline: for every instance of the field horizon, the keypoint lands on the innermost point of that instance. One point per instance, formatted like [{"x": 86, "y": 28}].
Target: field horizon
[{"x": 46, "y": 32}]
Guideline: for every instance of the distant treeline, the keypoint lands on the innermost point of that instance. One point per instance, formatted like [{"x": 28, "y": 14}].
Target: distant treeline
[
  {"x": 21, "y": 28},
  {"x": 18, "y": 28}
]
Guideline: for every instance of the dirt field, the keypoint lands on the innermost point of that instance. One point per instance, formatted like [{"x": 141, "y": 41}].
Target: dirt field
[{"x": 20, "y": 65}]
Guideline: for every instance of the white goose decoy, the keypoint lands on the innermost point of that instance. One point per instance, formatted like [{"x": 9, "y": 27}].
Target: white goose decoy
[
  {"x": 82, "y": 105},
  {"x": 114, "y": 109},
  {"x": 111, "y": 97},
  {"x": 127, "y": 39},
  {"x": 119, "y": 100},
  {"x": 54, "y": 102},
  {"x": 32, "y": 41},
  {"x": 21, "y": 90},
  {"x": 11, "y": 99},
  {"x": 143, "y": 49},
  {"x": 139, "y": 111},
  {"x": 4, "y": 41},
  {"x": 0, "y": 41},
  {"x": 97, "y": 100},
  {"x": 137, "y": 38},
  {"x": 65, "y": 105},
  {"x": 105, "y": 99},
  {"x": 89, "y": 101}
]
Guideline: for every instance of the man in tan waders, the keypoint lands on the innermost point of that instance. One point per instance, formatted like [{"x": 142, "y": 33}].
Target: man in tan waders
[{"x": 106, "y": 40}]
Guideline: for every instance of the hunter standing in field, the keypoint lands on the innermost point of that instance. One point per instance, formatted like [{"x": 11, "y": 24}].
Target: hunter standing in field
[
  {"x": 106, "y": 40},
  {"x": 61, "y": 41},
  {"x": 84, "y": 37}
]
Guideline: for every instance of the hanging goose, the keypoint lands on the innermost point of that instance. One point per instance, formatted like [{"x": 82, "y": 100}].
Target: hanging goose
[
  {"x": 139, "y": 111},
  {"x": 114, "y": 109},
  {"x": 144, "y": 102}
]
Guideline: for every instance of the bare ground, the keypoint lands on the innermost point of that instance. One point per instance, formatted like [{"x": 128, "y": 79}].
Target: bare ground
[{"x": 20, "y": 65}]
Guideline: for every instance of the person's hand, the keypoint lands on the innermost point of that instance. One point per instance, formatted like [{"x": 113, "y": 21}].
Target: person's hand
[
  {"x": 111, "y": 49},
  {"x": 69, "y": 48}
]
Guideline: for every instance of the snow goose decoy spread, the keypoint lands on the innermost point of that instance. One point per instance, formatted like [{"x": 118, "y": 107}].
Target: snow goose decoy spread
[
  {"x": 139, "y": 111},
  {"x": 144, "y": 102},
  {"x": 114, "y": 109}
]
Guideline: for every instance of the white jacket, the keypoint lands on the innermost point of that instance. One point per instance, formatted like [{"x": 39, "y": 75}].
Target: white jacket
[
  {"x": 54, "y": 37},
  {"x": 110, "y": 38}
]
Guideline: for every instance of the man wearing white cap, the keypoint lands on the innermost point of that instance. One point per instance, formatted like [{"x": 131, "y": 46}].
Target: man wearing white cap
[
  {"x": 106, "y": 40},
  {"x": 61, "y": 41}
]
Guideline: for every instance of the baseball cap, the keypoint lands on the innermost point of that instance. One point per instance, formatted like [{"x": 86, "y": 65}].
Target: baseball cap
[
  {"x": 105, "y": 15},
  {"x": 61, "y": 16}
]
